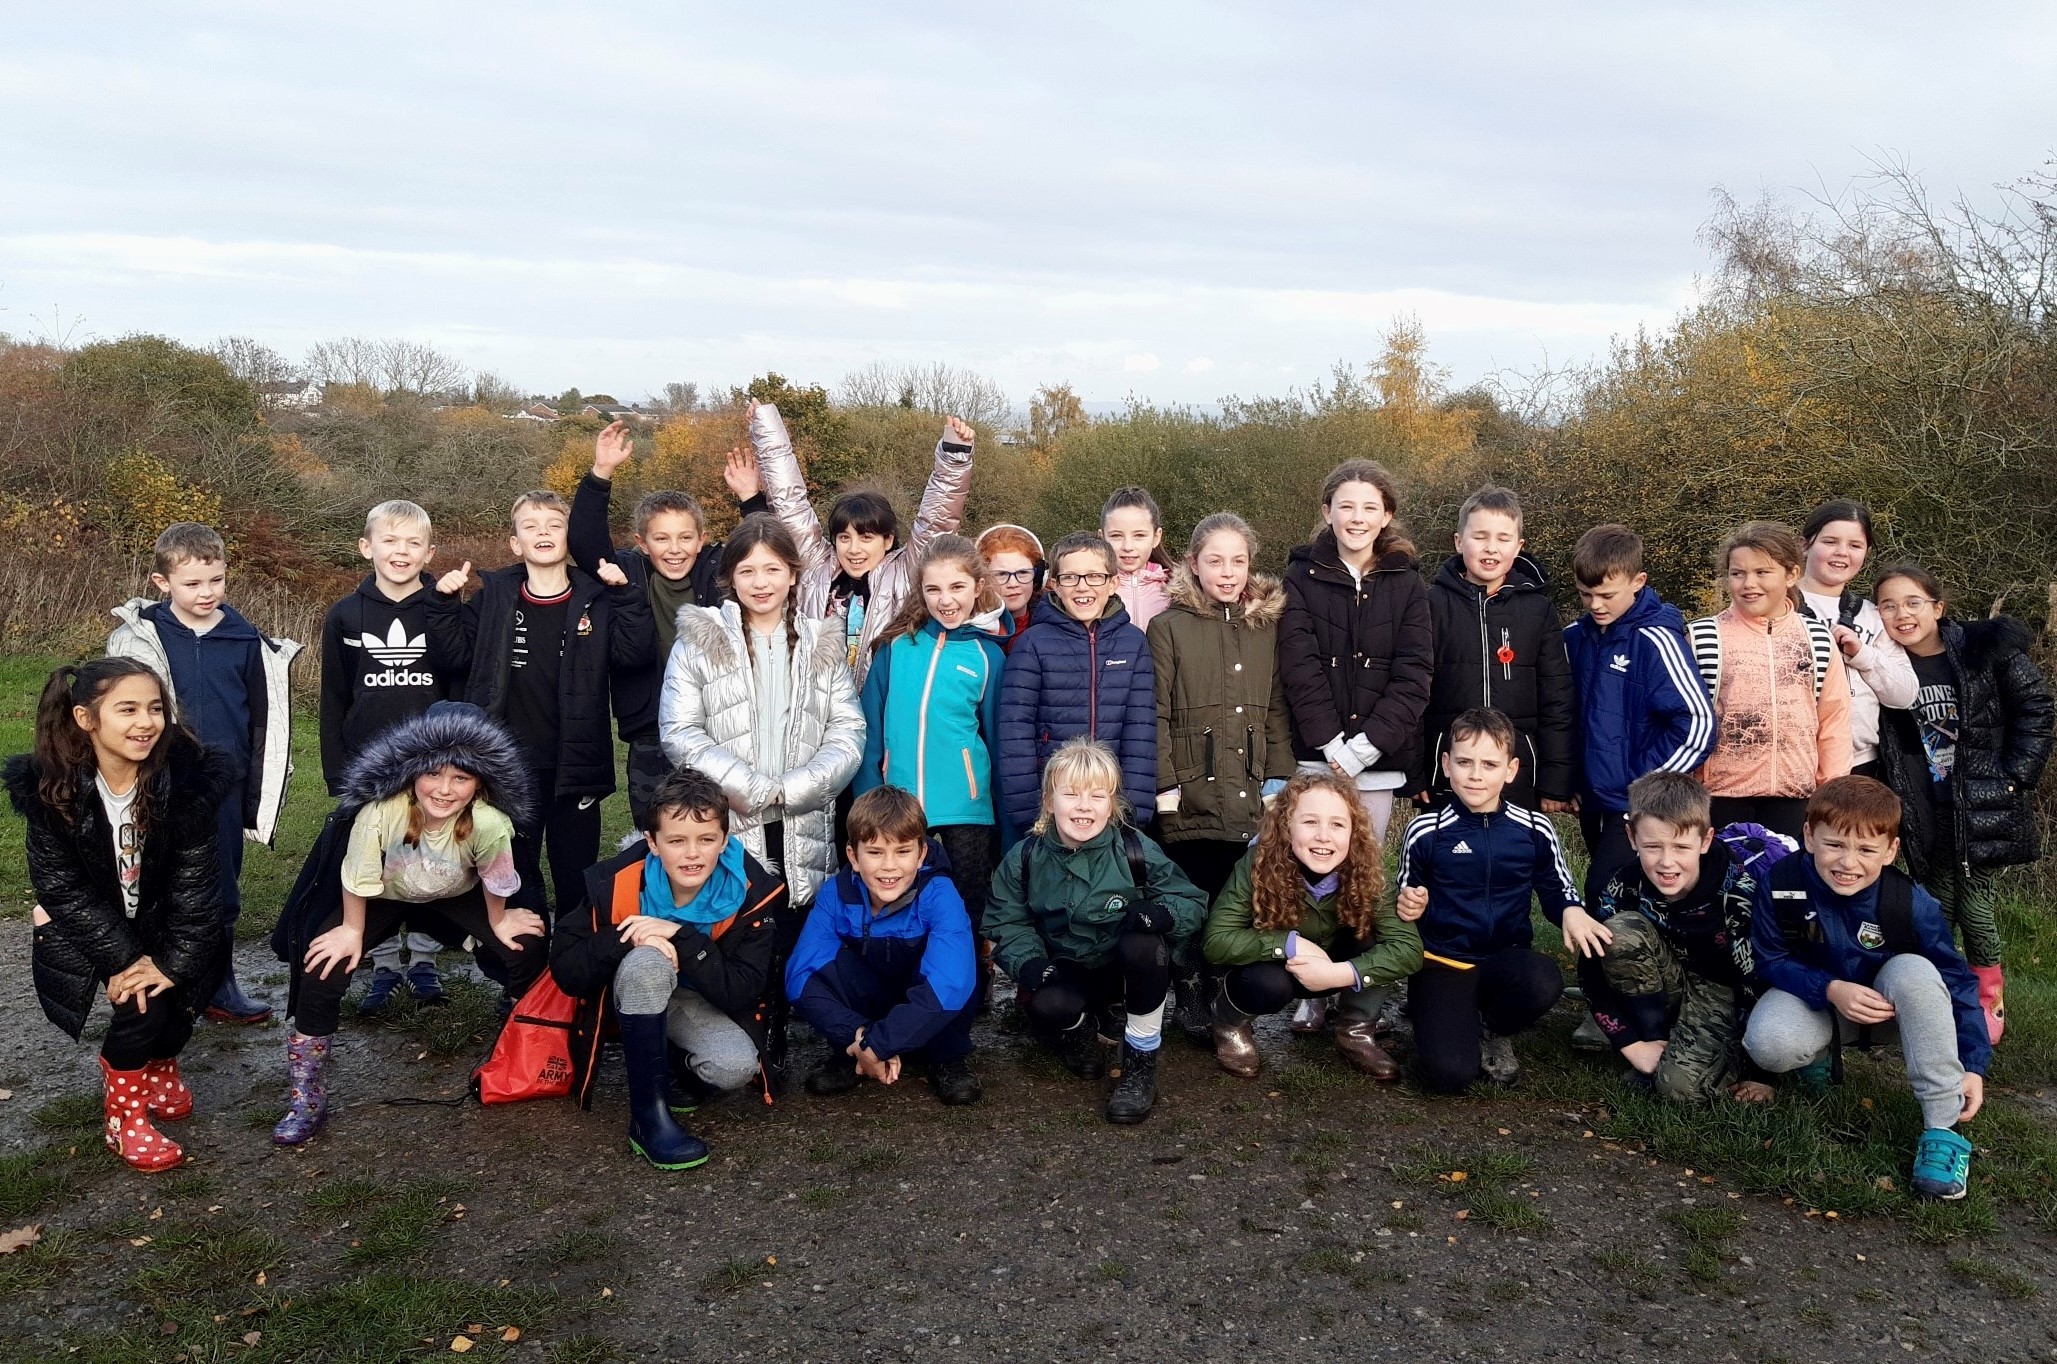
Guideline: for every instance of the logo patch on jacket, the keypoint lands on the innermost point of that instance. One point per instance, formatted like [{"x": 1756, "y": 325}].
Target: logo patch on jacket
[
  {"x": 1870, "y": 937},
  {"x": 585, "y": 624},
  {"x": 1620, "y": 663},
  {"x": 1116, "y": 662},
  {"x": 1462, "y": 847}
]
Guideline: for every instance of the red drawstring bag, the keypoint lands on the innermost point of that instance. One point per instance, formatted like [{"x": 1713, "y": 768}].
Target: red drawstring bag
[{"x": 532, "y": 1057}]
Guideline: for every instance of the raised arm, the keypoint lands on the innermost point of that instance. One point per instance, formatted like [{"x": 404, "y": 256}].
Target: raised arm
[{"x": 785, "y": 486}]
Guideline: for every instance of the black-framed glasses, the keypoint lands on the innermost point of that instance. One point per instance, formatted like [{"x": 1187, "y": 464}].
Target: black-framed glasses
[
  {"x": 1088, "y": 579},
  {"x": 1015, "y": 575}
]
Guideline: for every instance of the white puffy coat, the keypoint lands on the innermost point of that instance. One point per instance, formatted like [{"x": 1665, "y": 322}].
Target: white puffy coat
[{"x": 707, "y": 714}]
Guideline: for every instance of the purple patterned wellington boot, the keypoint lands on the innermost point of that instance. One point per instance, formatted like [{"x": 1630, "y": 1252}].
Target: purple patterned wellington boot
[{"x": 307, "y": 1101}]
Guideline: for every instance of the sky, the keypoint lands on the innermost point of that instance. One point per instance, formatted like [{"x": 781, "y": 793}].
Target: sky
[{"x": 1170, "y": 201}]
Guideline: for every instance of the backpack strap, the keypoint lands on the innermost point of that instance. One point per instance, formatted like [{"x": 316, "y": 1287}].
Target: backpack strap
[
  {"x": 1138, "y": 870},
  {"x": 1705, "y": 636},
  {"x": 1896, "y": 911},
  {"x": 1822, "y": 644},
  {"x": 1788, "y": 881},
  {"x": 1850, "y": 608}
]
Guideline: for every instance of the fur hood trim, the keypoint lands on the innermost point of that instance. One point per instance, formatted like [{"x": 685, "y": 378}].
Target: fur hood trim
[
  {"x": 452, "y": 733},
  {"x": 1264, "y": 601},
  {"x": 717, "y": 631}
]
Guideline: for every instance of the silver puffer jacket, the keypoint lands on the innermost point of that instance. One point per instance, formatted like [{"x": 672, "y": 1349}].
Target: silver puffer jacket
[
  {"x": 941, "y": 513},
  {"x": 707, "y": 714}
]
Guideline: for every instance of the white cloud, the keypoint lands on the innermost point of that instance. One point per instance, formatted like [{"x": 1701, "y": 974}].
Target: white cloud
[
  {"x": 1199, "y": 364},
  {"x": 1139, "y": 364}
]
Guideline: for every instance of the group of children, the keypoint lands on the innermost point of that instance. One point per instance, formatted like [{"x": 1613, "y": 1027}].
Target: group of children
[{"x": 871, "y": 773}]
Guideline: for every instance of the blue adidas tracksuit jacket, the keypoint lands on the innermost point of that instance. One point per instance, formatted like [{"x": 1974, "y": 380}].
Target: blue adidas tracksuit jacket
[
  {"x": 924, "y": 940},
  {"x": 1642, "y": 707},
  {"x": 932, "y": 721},
  {"x": 1479, "y": 870}
]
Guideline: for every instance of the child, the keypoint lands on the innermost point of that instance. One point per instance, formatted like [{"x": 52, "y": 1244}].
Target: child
[
  {"x": 1838, "y": 536},
  {"x": 1672, "y": 987},
  {"x": 1300, "y": 918},
  {"x": 425, "y": 835},
  {"x": 544, "y": 639},
  {"x": 671, "y": 564},
  {"x": 1641, "y": 706},
  {"x": 932, "y": 715},
  {"x": 1775, "y": 676},
  {"x": 684, "y": 955},
  {"x": 1015, "y": 557},
  {"x": 1355, "y": 645},
  {"x": 1965, "y": 761},
  {"x": 858, "y": 573},
  {"x": 1085, "y": 915},
  {"x": 1852, "y": 949},
  {"x": 1467, "y": 872},
  {"x": 389, "y": 651},
  {"x": 120, "y": 805},
  {"x": 1132, "y": 524},
  {"x": 1500, "y": 644},
  {"x": 1081, "y": 669},
  {"x": 229, "y": 685},
  {"x": 886, "y": 965}
]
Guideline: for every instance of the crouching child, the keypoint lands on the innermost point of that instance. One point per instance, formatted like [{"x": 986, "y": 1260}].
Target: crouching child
[
  {"x": 1671, "y": 987},
  {"x": 886, "y": 965},
  {"x": 676, "y": 935},
  {"x": 1855, "y": 953}
]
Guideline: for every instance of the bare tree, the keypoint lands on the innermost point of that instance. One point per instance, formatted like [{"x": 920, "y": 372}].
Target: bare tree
[
  {"x": 1054, "y": 410},
  {"x": 936, "y": 388},
  {"x": 254, "y": 362},
  {"x": 392, "y": 366},
  {"x": 676, "y": 399},
  {"x": 490, "y": 391}
]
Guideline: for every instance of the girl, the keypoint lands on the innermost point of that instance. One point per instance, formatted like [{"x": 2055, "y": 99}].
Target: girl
[
  {"x": 1081, "y": 668},
  {"x": 859, "y": 573},
  {"x": 1015, "y": 557},
  {"x": 1085, "y": 914},
  {"x": 1775, "y": 676},
  {"x": 1300, "y": 918},
  {"x": 423, "y": 838},
  {"x": 932, "y": 713},
  {"x": 1965, "y": 760},
  {"x": 1133, "y": 525},
  {"x": 1838, "y": 536},
  {"x": 120, "y": 802}
]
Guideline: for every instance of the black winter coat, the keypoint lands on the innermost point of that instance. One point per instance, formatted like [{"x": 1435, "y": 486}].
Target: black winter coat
[
  {"x": 1505, "y": 651},
  {"x": 71, "y": 866},
  {"x": 605, "y": 629},
  {"x": 1356, "y": 658},
  {"x": 734, "y": 967},
  {"x": 2003, "y": 741}
]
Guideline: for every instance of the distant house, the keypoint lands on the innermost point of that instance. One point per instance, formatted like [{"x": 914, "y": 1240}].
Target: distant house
[
  {"x": 290, "y": 393},
  {"x": 534, "y": 412},
  {"x": 613, "y": 412}
]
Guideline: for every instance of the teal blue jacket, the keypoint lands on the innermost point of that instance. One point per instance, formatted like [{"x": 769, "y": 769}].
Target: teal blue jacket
[{"x": 931, "y": 718}]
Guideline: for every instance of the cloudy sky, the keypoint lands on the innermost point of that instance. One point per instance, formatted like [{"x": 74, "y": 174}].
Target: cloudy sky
[{"x": 1172, "y": 200}]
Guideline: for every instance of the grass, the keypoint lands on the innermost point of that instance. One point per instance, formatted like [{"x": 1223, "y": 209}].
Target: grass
[
  {"x": 2002, "y": 1281},
  {"x": 1629, "y": 1269},
  {"x": 72, "y": 1113},
  {"x": 205, "y": 1256},
  {"x": 33, "y": 1180},
  {"x": 40, "y": 1265},
  {"x": 460, "y": 1027},
  {"x": 1482, "y": 1180},
  {"x": 1706, "y": 1233},
  {"x": 386, "y": 1222}
]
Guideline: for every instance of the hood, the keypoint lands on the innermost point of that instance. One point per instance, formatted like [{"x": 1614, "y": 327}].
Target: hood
[
  {"x": 233, "y": 625},
  {"x": 1322, "y": 553},
  {"x": 852, "y": 891},
  {"x": 717, "y": 631},
  {"x": 452, "y": 733},
  {"x": 1982, "y": 643},
  {"x": 1649, "y": 609},
  {"x": 1524, "y": 575},
  {"x": 1048, "y": 612},
  {"x": 369, "y": 589},
  {"x": 1264, "y": 601}
]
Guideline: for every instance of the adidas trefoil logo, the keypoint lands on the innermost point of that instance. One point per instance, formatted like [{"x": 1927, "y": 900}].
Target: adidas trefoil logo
[
  {"x": 1620, "y": 663},
  {"x": 1462, "y": 847},
  {"x": 397, "y": 650}
]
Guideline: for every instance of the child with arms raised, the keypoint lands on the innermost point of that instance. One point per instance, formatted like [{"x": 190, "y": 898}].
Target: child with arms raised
[
  {"x": 1854, "y": 952},
  {"x": 886, "y": 965},
  {"x": 120, "y": 804},
  {"x": 1086, "y": 913}
]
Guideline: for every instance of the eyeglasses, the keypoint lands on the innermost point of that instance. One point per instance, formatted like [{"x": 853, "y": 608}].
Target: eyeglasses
[
  {"x": 1906, "y": 606},
  {"x": 1088, "y": 579},
  {"x": 1016, "y": 575}
]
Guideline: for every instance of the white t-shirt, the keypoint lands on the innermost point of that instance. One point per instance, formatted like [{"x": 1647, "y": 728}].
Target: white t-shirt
[
  {"x": 1881, "y": 674},
  {"x": 128, "y": 849}
]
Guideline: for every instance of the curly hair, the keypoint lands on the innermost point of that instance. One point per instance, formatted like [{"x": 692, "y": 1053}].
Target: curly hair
[{"x": 1278, "y": 883}]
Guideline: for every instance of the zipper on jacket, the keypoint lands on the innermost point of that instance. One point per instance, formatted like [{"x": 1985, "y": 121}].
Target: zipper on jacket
[
  {"x": 1485, "y": 657},
  {"x": 1208, "y": 735},
  {"x": 1093, "y": 681},
  {"x": 921, "y": 727}
]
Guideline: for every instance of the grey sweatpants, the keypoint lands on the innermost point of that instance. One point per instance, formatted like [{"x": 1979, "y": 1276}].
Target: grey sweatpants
[
  {"x": 397, "y": 952},
  {"x": 1784, "y": 1034},
  {"x": 716, "y": 1047}
]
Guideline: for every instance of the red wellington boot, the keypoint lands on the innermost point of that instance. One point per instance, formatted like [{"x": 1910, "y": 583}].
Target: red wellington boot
[
  {"x": 168, "y": 1096},
  {"x": 1992, "y": 994},
  {"x": 129, "y": 1133}
]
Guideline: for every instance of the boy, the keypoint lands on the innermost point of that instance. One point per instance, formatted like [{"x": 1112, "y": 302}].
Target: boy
[
  {"x": 1467, "y": 872},
  {"x": 229, "y": 685},
  {"x": 671, "y": 565},
  {"x": 1641, "y": 706},
  {"x": 389, "y": 651},
  {"x": 886, "y": 967},
  {"x": 1672, "y": 988},
  {"x": 679, "y": 933},
  {"x": 1848, "y": 945},
  {"x": 1500, "y": 644},
  {"x": 542, "y": 638}
]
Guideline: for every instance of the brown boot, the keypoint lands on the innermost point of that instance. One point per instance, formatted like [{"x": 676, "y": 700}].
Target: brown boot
[
  {"x": 1360, "y": 1049},
  {"x": 1235, "y": 1048}
]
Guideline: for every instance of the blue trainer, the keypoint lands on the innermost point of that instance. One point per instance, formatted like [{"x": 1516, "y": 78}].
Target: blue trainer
[{"x": 1942, "y": 1164}]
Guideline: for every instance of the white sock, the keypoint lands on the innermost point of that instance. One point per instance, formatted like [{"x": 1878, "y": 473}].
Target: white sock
[{"x": 1144, "y": 1031}]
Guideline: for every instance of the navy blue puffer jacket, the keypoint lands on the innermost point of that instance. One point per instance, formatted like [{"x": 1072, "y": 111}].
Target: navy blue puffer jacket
[{"x": 1064, "y": 679}]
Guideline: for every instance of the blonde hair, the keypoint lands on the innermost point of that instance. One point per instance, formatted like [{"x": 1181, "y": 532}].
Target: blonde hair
[
  {"x": 1084, "y": 762},
  {"x": 538, "y": 497},
  {"x": 396, "y": 511}
]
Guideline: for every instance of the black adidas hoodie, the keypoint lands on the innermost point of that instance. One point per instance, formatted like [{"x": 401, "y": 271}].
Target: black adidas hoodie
[{"x": 382, "y": 662}]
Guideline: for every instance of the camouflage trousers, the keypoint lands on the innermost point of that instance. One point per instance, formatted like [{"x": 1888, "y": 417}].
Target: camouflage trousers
[{"x": 1703, "y": 1054}]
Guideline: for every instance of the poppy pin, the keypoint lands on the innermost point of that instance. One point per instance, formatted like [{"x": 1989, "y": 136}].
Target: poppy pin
[{"x": 1505, "y": 655}]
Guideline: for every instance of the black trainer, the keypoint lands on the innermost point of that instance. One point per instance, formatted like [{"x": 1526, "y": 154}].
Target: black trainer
[
  {"x": 837, "y": 1074},
  {"x": 1135, "y": 1094},
  {"x": 1079, "y": 1045},
  {"x": 954, "y": 1083}
]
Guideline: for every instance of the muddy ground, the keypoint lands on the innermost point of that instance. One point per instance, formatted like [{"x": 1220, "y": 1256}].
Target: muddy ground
[{"x": 1308, "y": 1212}]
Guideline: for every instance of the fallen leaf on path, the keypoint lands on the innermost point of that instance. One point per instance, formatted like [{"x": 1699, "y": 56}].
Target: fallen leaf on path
[
  {"x": 511, "y": 1334},
  {"x": 461, "y": 1345},
  {"x": 21, "y": 1238}
]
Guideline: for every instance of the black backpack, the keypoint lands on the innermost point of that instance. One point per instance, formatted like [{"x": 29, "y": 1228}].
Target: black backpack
[{"x": 1799, "y": 927}]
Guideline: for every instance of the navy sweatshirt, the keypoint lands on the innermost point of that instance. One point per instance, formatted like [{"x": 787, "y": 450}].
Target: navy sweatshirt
[{"x": 218, "y": 677}]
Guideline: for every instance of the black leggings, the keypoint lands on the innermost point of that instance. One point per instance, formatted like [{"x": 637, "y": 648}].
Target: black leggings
[
  {"x": 1207, "y": 862},
  {"x": 318, "y": 1000},
  {"x": 1607, "y": 847},
  {"x": 1781, "y": 814},
  {"x": 135, "y": 1038},
  {"x": 1139, "y": 975},
  {"x": 566, "y": 829},
  {"x": 1506, "y": 993},
  {"x": 973, "y": 849}
]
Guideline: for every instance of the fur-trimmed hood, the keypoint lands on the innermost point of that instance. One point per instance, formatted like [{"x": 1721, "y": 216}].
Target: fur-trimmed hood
[
  {"x": 1982, "y": 642},
  {"x": 1264, "y": 600},
  {"x": 452, "y": 733},
  {"x": 717, "y": 631}
]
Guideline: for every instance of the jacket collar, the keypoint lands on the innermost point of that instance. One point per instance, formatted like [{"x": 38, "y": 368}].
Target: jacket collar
[
  {"x": 1524, "y": 575},
  {"x": 1264, "y": 601}
]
